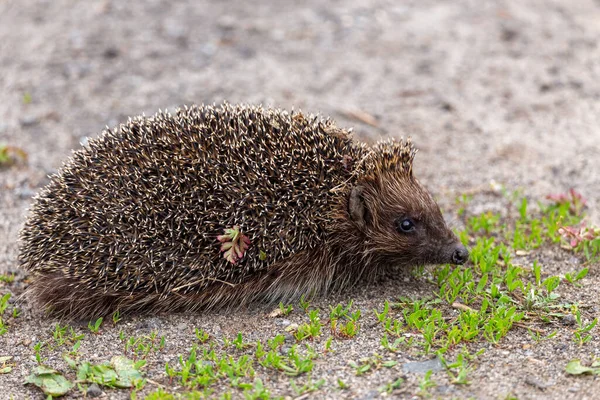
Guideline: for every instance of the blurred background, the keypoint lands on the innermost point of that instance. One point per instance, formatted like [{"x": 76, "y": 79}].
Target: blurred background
[{"x": 488, "y": 90}]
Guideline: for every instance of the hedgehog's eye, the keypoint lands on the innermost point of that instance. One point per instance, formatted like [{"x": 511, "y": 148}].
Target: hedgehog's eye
[{"x": 405, "y": 225}]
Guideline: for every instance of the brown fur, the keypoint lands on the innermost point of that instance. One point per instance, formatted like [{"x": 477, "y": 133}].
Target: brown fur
[{"x": 346, "y": 235}]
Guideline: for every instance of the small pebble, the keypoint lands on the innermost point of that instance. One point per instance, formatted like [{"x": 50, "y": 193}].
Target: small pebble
[
  {"x": 289, "y": 338},
  {"x": 568, "y": 320},
  {"x": 371, "y": 394},
  {"x": 150, "y": 324},
  {"x": 94, "y": 390},
  {"x": 535, "y": 382},
  {"x": 283, "y": 322},
  {"x": 421, "y": 367},
  {"x": 29, "y": 120},
  {"x": 182, "y": 327}
]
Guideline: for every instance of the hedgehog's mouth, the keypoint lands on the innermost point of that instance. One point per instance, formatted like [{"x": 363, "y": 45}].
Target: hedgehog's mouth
[{"x": 455, "y": 253}]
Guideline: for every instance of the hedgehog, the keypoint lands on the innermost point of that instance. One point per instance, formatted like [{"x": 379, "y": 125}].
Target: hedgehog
[{"x": 222, "y": 206}]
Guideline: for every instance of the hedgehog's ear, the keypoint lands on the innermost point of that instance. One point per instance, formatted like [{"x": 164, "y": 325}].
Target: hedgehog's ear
[
  {"x": 357, "y": 207},
  {"x": 395, "y": 155}
]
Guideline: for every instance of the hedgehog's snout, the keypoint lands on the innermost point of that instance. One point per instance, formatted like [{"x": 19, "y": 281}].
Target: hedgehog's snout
[{"x": 460, "y": 255}]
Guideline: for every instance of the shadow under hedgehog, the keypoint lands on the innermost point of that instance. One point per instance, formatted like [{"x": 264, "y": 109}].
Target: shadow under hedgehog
[{"x": 220, "y": 206}]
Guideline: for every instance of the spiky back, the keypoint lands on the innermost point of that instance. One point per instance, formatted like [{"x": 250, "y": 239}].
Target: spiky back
[{"x": 140, "y": 208}]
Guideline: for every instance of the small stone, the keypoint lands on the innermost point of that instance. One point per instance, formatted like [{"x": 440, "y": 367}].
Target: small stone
[
  {"x": 372, "y": 394},
  {"x": 277, "y": 312},
  {"x": 533, "y": 381},
  {"x": 421, "y": 367},
  {"x": 569, "y": 320},
  {"x": 94, "y": 390},
  {"x": 226, "y": 22},
  {"x": 208, "y": 49},
  {"x": 289, "y": 338},
  {"x": 447, "y": 106},
  {"x": 150, "y": 324},
  {"x": 76, "y": 70},
  {"x": 291, "y": 327},
  {"x": 111, "y": 52},
  {"x": 509, "y": 34},
  {"x": 444, "y": 389},
  {"x": 246, "y": 52},
  {"x": 283, "y": 322},
  {"x": 29, "y": 120}
]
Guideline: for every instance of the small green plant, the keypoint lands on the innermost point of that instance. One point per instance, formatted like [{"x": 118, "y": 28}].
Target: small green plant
[
  {"x": 7, "y": 278},
  {"x": 391, "y": 325},
  {"x": 233, "y": 244},
  {"x": 425, "y": 384},
  {"x": 582, "y": 333},
  {"x": 574, "y": 367},
  {"x": 390, "y": 387},
  {"x": 304, "y": 304},
  {"x": 537, "y": 336},
  {"x": 116, "y": 317},
  {"x": 239, "y": 343},
  {"x": 201, "y": 335},
  {"x": 50, "y": 381},
  {"x": 66, "y": 335},
  {"x": 360, "y": 369},
  {"x": 371, "y": 363},
  {"x": 328, "y": 344},
  {"x": 10, "y": 155},
  {"x": 347, "y": 329},
  {"x": 463, "y": 201},
  {"x": 308, "y": 387},
  {"x": 37, "y": 348},
  {"x": 342, "y": 385},
  {"x": 339, "y": 311},
  {"x": 5, "y": 364},
  {"x": 285, "y": 309},
  {"x": 459, "y": 369},
  {"x": 59, "y": 333},
  {"x": 393, "y": 347},
  {"x": 143, "y": 345},
  {"x": 121, "y": 372},
  {"x": 572, "y": 278},
  {"x": 3, "y": 307},
  {"x": 257, "y": 391},
  {"x": 309, "y": 330},
  {"x": 486, "y": 222},
  {"x": 294, "y": 363},
  {"x": 94, "y": 327}
]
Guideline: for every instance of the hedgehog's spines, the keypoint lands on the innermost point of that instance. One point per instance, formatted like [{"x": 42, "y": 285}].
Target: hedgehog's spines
[{"x": 131, "y": 221}]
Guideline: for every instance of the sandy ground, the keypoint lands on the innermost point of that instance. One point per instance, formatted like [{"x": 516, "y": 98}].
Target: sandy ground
[{"x": 488, "y": 90}]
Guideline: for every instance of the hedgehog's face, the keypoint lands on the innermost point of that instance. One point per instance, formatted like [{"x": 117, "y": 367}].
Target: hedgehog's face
[{"x": 401, "y": 222}]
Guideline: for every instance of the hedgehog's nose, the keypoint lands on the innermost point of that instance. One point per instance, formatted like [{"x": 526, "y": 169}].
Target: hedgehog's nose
[{"x": 460, "y": 255}]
